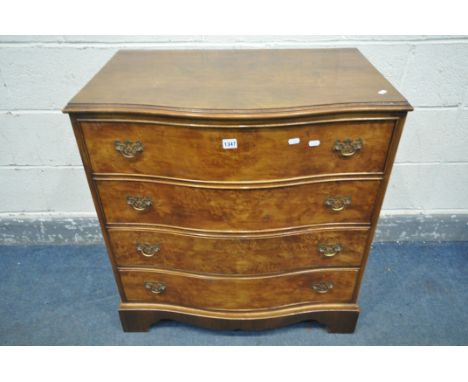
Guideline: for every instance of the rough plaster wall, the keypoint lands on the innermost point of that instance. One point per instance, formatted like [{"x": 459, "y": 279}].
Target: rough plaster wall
[{"x": 41, "y": 172}]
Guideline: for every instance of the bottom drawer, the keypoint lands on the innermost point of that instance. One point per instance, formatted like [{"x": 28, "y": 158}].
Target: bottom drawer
[{"x": 239, "y": 293}]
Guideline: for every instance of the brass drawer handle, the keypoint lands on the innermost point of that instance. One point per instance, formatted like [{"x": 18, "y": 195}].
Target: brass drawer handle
[
  {"x": 139, "y": 203},
  {"x": 155, "y": 287},
  {"x": 338, "y": 203},
  {"x": 329, "y": 250},
  {"x": 147, "y": 250},
  {"x": 322, "y": 286},
  {"x": 348, "y": 148},
  {"x": 129, "y": 149}
]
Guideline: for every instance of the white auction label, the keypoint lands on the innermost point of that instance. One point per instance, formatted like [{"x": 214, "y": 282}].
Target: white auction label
[
  {"x": 230, "y": 143},
  {"x": 314, "y": 143},
  {"x": 294, "y": 141}
]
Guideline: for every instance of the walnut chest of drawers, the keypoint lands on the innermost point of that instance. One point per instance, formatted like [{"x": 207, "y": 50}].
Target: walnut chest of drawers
[{"x": 238, "y": 189}]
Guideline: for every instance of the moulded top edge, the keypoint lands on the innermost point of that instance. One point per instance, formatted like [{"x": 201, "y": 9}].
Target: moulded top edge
[
  {"x": 73, "y": 108},
  {"x": 241, "y": 84}
]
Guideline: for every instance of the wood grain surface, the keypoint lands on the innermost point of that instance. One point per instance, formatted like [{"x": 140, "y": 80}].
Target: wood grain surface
[
  {"x": 240, "y": 83},
  {"x": 238, "y": 254},
  {"x": 239, "y": 293},
  {"x": 338, "y": 318},
  {"x": 261, "y": 154},
  {"x": 237, "y": 210}
]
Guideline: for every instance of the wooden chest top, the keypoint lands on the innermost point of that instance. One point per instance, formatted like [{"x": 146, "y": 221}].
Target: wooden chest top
[{"x": 238, "y": 84}]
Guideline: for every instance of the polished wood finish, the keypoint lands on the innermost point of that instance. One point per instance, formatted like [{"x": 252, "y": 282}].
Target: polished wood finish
[
  {"x": 238, "y": 84},
  {"x": 239, "y": 293},
  {"x": 237, "y": 254},
  {"x": 262, "y": 153},
  {"x": 378, "y": 204},
  {"x": 228, "y": 239},
  {"x": 256, "y": 209},
  {"x": 338, "y": 318}
]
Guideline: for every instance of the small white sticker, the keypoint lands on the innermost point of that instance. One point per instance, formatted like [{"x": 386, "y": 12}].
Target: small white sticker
[
  {"x": 294, "y": 141},
  {"x": 382, "y": 92},
  {"x": 314, "y": 143},
  {"x": 230, "y": 143}
]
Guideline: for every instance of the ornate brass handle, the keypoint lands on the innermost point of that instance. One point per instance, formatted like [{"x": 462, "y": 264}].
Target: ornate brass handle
[
  {"x": 347, "y": 147},
  {"x": 338, "y": 203},
  {"x": 147, "y": 250},
  {"x": 155, "y": 287},
  {"x": 329, "y": 250},
  {"x": 129, "y": 149},
  {"x": 322, "y": 286},
  {"x": 139, "y": 203}
]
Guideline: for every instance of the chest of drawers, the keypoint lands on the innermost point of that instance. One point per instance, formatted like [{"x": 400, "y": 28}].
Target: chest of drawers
[{"x": 238, "y": 189}]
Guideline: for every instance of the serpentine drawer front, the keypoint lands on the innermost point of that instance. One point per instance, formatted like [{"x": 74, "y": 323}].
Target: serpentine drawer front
[
  {"x": 262, "y": 153},
  {"x": 175, "y": 205},
  {"x": 239, "y": 293},
  {"x": 238, "y": 189},
  {"x": 239, "y": 254}
]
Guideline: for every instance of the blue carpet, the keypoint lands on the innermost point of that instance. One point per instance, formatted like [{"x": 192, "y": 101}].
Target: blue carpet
[{"x": 413, "y": 294}]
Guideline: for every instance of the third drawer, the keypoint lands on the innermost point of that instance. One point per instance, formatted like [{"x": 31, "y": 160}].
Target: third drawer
[{"x": 239, "y": 255}]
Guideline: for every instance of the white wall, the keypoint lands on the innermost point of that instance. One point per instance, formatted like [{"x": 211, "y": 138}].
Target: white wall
[{"x": 41, "y": 172}]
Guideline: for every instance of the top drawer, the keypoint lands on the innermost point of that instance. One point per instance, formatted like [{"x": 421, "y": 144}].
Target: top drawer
[{"x": 249, "y": 154}]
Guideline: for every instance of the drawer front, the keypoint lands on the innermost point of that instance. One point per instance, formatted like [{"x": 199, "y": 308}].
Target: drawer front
[
  {"x": 237, "y": 210},
  {"x": 228, "y": 255},
  {"x": 239, "y": 293},
  {"x": 261, "y": 153}
]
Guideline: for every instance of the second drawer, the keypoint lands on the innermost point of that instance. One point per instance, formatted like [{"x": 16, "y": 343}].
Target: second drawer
[
  {"x": 238, "y": 255},
  {"x": 239, "y": 210}
]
